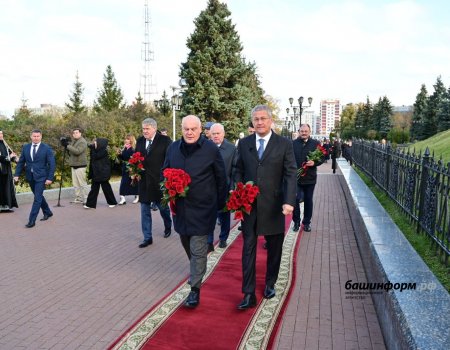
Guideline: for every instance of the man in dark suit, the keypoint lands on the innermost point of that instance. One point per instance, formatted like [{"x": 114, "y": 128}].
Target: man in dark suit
[
  {"x": 153, "y": 147},
  {"x": 39, "y": 162},
  {"x": 267, "y": 159},
  {"x": 305, "y": 189},
  {"x": 228, "y": 152},
  {"x": 196, "y": 214}
]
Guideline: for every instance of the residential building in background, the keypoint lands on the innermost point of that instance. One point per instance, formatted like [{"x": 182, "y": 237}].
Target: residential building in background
[
  {"x": 45, "y": 109},
  {"x": 330, "y": 115}
]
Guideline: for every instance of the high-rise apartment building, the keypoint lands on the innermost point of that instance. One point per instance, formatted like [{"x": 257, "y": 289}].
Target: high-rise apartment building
[{"x": 330, "y": 114}]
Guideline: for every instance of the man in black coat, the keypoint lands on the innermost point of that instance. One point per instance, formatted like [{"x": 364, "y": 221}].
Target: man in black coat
[
  {"x": 267, "y": 159},
  {"x": 196, "y": 214},
  {"x": 153, "y": 147},
  {"x": 305, "y": 190},
  {"x": 228, "y": 152}
]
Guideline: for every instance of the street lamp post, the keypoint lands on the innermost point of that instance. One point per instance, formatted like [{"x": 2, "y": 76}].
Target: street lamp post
[
  {"x": 176, "y": 101},
  {"x": 163, "y": 105},
  {"x": 300, "y": 108}
]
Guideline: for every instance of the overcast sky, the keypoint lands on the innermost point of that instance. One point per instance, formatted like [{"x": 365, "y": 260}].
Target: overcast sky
[{"x": 323, "y": 49}]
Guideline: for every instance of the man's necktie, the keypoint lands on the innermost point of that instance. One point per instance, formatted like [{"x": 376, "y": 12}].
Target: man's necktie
[
  {"x": 34, "y": 151},
  {"x": 261, "y": 148},
  {"x": 148, "y": 146}
]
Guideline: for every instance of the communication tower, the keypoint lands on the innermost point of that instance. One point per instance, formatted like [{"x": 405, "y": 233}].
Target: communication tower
[{"x": 147, "y": 86}]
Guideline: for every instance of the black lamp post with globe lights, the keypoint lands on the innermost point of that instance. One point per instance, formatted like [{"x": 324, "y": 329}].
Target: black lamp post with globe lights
[{"x": 297, "y": 112}]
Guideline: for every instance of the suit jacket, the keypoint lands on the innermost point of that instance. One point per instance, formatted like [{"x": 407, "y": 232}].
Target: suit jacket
[
  {"x": 275, "y": 175},
  {"x": 196, "y": 214},
  {"x": 43, "y": 164},
  {"x": 228, "y": 152},
  {"x": 301, "y": 150},
  {"x": 149, "y": 188}
]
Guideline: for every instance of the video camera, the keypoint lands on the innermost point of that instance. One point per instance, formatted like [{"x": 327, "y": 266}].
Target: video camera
[{"x": 64, "y": 140}]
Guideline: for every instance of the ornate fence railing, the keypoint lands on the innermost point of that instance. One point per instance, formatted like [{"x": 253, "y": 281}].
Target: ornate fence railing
[{"x": 418, "y": 183}]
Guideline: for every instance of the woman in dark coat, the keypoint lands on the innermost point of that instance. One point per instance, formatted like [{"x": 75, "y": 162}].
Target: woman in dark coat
[
  {"x": 7, "y": 193},
  {"x": 126, "y": 189},
  {"x": 100, "y": 173}
]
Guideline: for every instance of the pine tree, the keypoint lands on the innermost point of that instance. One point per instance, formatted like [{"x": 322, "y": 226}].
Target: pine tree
[
  {"x": 434, "y": 101},
  {"x": 110, "y": 97},
  {"x": 222, "y": 86},
  {"x": 138, "y": 108},
  {"x": 375, "y": 121},
  {"x": 385, "y": 113},
  {"x": 420, "y": 107},
  {"x": 443, "y": 115},
  {"x": 76, "y": 99},
  {"x": 367, "y": 115}
]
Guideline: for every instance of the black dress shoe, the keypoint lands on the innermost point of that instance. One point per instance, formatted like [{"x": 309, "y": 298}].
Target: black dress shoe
[
  {"x": 146, "y": 243},
  {"x": 193, "y": 299},
  {"x": 47, "y": 216},
  {"x": 167, "y": 234},
  {"x": 210, "y": 247},
  {"x": 240, "y": 227},
  {"x": 269, "y": 292},
  {"x": 30, "y": 225},
  {"x": 248, "y": 302},
  {"x": 307, "y": 228},
  {"x": 296, "y": 227},
  {"x": 223, "y": 244}
]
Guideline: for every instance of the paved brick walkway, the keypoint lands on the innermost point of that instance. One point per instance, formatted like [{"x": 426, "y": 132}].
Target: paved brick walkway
[{"x": 78, "y": 280}]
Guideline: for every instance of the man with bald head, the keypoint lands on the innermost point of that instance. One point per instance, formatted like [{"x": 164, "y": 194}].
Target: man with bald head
[{"x": 196, "y": 214}]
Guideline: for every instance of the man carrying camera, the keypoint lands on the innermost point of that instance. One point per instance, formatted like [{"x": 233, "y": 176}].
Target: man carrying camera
[{"x": 77, "y": 149}]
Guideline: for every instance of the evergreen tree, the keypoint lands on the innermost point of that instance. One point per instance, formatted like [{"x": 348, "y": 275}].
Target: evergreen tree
[
  {"x": 420, "y": 108},
  {"x": 222, "y": 86},
  {"x": 110, "y": 97},
  {"x": 384, "y": 117},
  {"x": 443, "y": 115},
  {"x": 138, "y": 108},
  {"x": 367, "y": 116},
  {"x": 76, "y": 99},
  {"x": 376, "y": 116},
  {"x": 434, "y": 101}
]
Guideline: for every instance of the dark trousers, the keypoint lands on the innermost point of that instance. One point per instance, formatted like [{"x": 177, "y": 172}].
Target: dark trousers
[
  {"x": 196, "y": 248},
  {"x": 91, "y": 201},
  {"x": 225, "y": 223},
  {"x": 305, "y": 192},
  {"x": 274, "y": 250},
  {"x": 39, "y": 202}
]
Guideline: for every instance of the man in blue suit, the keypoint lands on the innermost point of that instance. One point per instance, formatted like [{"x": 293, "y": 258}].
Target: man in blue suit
[{"x": 39, "y": 162}]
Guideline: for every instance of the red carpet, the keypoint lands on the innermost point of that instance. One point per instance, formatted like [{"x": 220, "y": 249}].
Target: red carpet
[{"x": 215, "y": 323}]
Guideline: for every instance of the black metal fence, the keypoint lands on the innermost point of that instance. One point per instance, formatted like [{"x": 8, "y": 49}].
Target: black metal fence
[{"x": 418, "y": 183}]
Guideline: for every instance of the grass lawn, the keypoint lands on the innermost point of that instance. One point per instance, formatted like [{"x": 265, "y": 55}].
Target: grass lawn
[
  {"x": 439, "y": 144},
  {"x": 420, "y": 242}
]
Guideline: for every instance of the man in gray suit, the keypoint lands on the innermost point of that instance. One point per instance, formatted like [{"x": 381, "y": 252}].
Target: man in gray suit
[
  {"x": 228, "y": 153},
  {"x": 268, "y": 160}
]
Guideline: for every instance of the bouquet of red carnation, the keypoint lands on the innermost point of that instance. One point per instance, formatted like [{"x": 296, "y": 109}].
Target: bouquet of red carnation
[
  {"x": 175, "y": 185},
  {"x": 135, "y": 167},
  {"x": 315, "y": 156},
  {"x": 241, "y": 199}
]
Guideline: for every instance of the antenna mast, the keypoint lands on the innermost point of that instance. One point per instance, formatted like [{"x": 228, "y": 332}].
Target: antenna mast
[{"x": 147, "y": 88}]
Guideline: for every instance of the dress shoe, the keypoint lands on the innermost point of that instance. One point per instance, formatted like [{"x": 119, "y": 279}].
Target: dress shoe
[
  {"x": 240, "y": 227},
  {"x": 223, "y": 244},
  {"x": 146, "y": 243},
  {"x": 248, "y": 302},
  {"x": 307, "y": 228},
  {"x": 193, "y": 299},
  {"x": 136, "y": 200},
  {"x": 167, "y": 234},
  {"x": 30, "y": 225},
  {"x": 210, "y": 247},
  {"x": 86, "y": 207},
  {"x": 112, "y": 205},
  {"x": 269, "y": 292},
  {"x": 296, "y": 227},
  {"x": 47, "y": 216}
]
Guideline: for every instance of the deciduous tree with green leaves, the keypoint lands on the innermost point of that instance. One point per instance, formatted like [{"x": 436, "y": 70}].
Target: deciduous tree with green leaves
[
  {"x": 110, "y": 97},
  {"x": 221, "y": 84}
]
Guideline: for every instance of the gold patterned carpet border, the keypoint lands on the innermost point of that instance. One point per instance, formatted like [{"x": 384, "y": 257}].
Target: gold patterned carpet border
[{"x": 260, "y": 328}]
